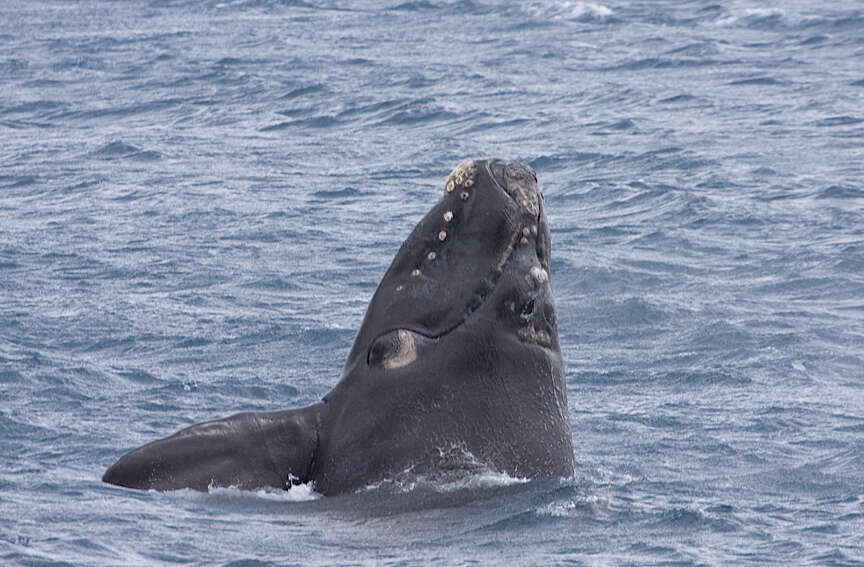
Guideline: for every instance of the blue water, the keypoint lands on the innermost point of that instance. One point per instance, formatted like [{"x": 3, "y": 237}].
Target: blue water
[{"x": 198, "y": 198}]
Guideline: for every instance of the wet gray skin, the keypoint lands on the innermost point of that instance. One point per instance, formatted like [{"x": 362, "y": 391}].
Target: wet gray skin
[{"x": 457, "y": 363}]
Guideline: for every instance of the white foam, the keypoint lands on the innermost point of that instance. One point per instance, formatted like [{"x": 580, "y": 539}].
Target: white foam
[
  {"x": 298, "y": 493},
  {"x": 407, "y": 483},
  {"x": 569, "y": 10},
  {"x": 582, "y": 9},
  {"x": 487, "y": 479},
  {"x": 457, "y": 470}
]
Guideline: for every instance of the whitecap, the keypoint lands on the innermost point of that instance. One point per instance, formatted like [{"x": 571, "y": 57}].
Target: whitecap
[{"x": 569, "y": 10}]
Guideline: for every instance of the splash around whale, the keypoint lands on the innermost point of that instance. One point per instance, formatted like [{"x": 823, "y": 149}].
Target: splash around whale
[{"x": 458, "y": 349}]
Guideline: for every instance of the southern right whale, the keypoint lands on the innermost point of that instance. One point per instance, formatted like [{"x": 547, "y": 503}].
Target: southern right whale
[{"x": 458, "y": 354}]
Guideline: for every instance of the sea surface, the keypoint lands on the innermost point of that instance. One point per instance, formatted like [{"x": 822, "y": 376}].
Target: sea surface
[{"x": 198, "y": 199}]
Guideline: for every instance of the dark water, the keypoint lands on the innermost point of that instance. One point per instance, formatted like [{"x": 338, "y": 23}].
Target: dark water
[{"x": 197, "y": 200}]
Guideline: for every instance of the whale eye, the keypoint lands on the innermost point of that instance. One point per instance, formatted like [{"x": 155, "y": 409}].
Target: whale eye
[{"x": 393, "y": 350}]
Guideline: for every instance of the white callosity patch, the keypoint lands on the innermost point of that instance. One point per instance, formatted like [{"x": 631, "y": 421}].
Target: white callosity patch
[
  {"x": 523, "y": 189},
  {"x": 538, "y": 275},
  {"x": 529, "y": 333},
  {"x": 463, "y": 175}
]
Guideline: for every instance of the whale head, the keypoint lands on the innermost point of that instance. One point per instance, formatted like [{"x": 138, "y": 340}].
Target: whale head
[
  {"x": 459, "y": 344},
  {"x": 481, "y": 251}
]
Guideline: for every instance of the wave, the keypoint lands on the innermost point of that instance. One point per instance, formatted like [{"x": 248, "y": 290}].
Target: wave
[{"x": 582, "y": 11}]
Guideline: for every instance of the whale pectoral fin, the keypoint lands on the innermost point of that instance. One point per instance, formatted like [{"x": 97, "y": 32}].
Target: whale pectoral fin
[{"x": 247, "y": 450}]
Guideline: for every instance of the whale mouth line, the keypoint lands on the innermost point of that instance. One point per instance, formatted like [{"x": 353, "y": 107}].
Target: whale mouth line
[
  {"x": 473, "y": 305},
  {"x": 526, "y": 204}
]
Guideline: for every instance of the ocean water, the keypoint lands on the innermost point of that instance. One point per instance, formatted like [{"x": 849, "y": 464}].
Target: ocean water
[{"x": 198, "y": 198}]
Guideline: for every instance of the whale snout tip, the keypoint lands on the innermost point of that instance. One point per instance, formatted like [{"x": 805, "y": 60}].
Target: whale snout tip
[
  {"x": 518, "y": 181},
  {"x": 118, "y": 475},
  {"x": 503, "y": 170},
  {"x": 131, "y": 470},
  {"x": 114, "y": 476},
  {"x": 519, "y": 171}
]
